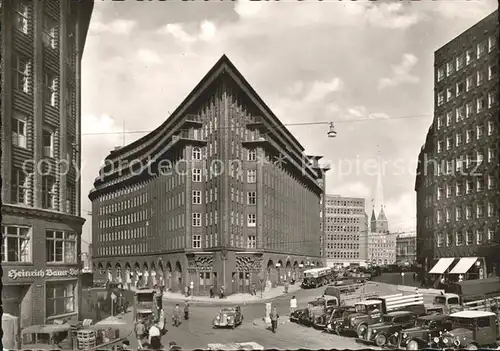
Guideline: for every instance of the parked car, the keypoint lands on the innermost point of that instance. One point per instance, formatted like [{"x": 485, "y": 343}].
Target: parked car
[
  {"x": 388, "y": 330},
  {"x": 422, "y": 335},
  {"x": 228, "y": 317},
  {"x": 298, "y": 315},
  {"x": 471, "y": 330},
  {"x": 337, "y": 316}
]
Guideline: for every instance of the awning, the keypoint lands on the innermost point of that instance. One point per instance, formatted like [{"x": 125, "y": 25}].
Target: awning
[
  {"x": 442, "y": 265},
  {"x": 463, "y": 265}
]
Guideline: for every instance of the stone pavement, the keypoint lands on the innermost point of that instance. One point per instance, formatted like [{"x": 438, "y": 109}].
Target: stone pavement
[{"x": 234, "y": 298}]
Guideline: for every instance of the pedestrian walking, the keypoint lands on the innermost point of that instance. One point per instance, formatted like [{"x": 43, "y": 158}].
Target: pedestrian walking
[
  {"x": 140, "y": 331},
  {"x": 155, "y": 337},
  {"x": 274, "y": 319},
  {"x": 191, "y": 288},
  {"x": 186, "y": 311},
  {"x": 177, "y": 316},
  {"x": 186, "y": 291},
  {"x": 414, "y": 276},
  {"x": 221, "y": 292},
  {"x": 286, "y": 287},
  {"x": 293, "y": 304},
  {"x": 212, "y": 292}
]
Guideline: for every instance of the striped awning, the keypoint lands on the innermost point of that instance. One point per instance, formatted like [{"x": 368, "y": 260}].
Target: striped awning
[
  {"x": 442, "y": 265},
  {"x": 463, "y": 265}
]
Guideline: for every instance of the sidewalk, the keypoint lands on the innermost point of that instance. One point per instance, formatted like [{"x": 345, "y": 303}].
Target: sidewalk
[{"x": 234, "y": 298}]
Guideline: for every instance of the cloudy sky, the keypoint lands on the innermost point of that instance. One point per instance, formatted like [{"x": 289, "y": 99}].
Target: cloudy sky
[{"x": 368, "y": 66}]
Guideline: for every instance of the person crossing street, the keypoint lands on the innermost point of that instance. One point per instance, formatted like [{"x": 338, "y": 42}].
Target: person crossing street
[
  {"x": 293, "y": 305},
  {"x": 274, "y": 319},
  {"x": 186, "y": 311},
  {"x": 177, "y": 316}
]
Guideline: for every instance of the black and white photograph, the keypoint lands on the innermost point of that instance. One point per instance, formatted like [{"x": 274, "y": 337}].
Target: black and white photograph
[{"x": 250, "y": 174}]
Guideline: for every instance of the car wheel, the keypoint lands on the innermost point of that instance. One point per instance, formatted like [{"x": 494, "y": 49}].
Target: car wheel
[
  {"x": 362, "y": 330},
  {"x": 472, "y": 347},
  {"x": 412, "y": 345},
  {"x": 380, "y": 340}
]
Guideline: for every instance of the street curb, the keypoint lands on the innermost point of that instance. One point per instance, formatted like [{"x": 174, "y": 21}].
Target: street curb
[
  {"x": 218, "y": 302},
  {"x": 261, "y": 322}
]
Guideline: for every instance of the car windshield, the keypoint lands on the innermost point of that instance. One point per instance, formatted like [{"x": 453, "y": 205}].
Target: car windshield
[
  {"x": 440, "y": 300},
  {"x": 360, "y": 308},
  {"x": 387, "y": 319},
  {"x": 227, "y": 310},
  {"x": 423, "y": 323}
]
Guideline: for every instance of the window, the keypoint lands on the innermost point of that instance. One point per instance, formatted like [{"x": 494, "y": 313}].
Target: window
[
  {"x": 49, "y": 32},
  {"x": 460, "y": 62},
  {"x": 60, "y": 298},
  {"x": 458, "y": 214},
  {"x": 459, "y": 189},
  {"x": 459, "y": 139},
  {"x": 491, "y": 128},
  {"x": 252, "y": 155},
  {"x": 196, "y": 197},
  {"x": 19, "y": 187},
  {"x": 61, "y": 246},
  {"x": 21, "y": 16},
  {"x": 491, "y": 182},
  {"x": 251, "y": 198},
  {"x": 469, "y": 237},
  {"x": 449, "y": 118},
  {"x": 71, "y": 198},
  {"x": 440, "y": 194},
  {"x": 196, "y": 241},
  {"x": 468, "y": 212},
  {"x": 439, "y": 122},
  {"x": 196, "y": 175},
  {"x": 469, "y": 109},
  {"x": 449, "y": 191},
  {"x": 440, "y": 74},
  {"x": 492, "y": 42},
  {"x": 469, "y": 83},
  {"x": 251, "y": 176},
  {"x": 449, "y": 143},
  {"x": 48, "y": 143},
  {"x": 480, "y": 104},
  {"x": 251, "y": 220},
  {"x": 449, "y": 239},
  {"x": 21, "y": 67},
  {"x": 480, "y": 132},
  {"x": 491, "y": 209},
  {"x": 479, "y": 236},
  {"x": 440, "y": 98},
  {"x": 49, "y": 93},
  {"x": 479, "y": 78},
  {"x": 440, "y": 240},
  {"x": 449, "y": 94},
  {"x": 440, "y": 146},
  {"x": 491, "y": 155},
  {"x": 479, "y": 211},
  {"x": 469, "y": 187},
  {"x": 481, "y": 49},
  {"x": 48, "y": 192},
  {"x": 19, "y": 130},
  {"x": 196, "y": 154},
  {"x": 492, "y": 71},
  {"x": 469, "y": 55},
  {"x": 460, "y": 88},
  {"x": 491, "y": 99},
  {"x": 448, "y": 216},
  {"x": 469, "y": 135},
  {"x": 460, "y": 113},
  {"x": 16, "y": 243},
  {"x": 251, "y": 243},
  {"x": 459, "y": 239},
  {"x": 449, "y": 68},
  {"x": 196, "y": 219},
  {"x": 491, "y": 234}
]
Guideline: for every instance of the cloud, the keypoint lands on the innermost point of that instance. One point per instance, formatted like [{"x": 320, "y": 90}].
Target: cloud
[
  {"x": 116, "y": 27},
  {"x": 206, "y": 31},
  {"x": 391, "y": 15},
  {"x": 351, "y": 189},
  {"x": 401, "y": 73},
  {"x": 400, "y": 212},
  {"x": 319, "y": 90},
  {"x": 148, "y": 56},
  {"x": 362, "y": 113}
]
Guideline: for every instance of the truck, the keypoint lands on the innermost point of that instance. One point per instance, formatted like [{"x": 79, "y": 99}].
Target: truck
[
  {"x": 317, "y": 277},
  {"x": 144, "y": 306},
  {"x": 445, "y": 303},
  {"x": 371, "y": 311}
]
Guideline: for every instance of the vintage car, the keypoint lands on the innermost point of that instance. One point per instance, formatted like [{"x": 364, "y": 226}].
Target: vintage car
[
  {"x": 228, "y": 317},
  {"x": 299, "y": 316},
  {"x": 320, "y": 321},
  {"x": 356, "y": 322},
  {"x": 422, "y": 335},
  {"x": 471, "y": 330},
  {"x": 388, "y": 330},
  {"x": 444, "y": 304},
  {"x": 337, "y": 316}
]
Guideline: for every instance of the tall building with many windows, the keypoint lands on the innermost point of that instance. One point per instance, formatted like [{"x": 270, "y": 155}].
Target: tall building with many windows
[
  {"x": 345, "y": 230},
  {"x": 458, "y": 196},
  {"x": 41, "y": 49},
  {"x": 221, "y": 194}
]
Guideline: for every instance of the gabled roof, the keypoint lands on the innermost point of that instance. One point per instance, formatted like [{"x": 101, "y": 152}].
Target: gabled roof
[{"x": 381, "y": 215}]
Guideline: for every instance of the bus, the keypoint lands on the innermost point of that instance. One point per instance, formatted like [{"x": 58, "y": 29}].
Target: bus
[{"x": 317, "y": 277}]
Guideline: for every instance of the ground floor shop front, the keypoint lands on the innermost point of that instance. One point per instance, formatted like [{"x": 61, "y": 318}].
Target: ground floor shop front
[{"x": 236, "y": 271}]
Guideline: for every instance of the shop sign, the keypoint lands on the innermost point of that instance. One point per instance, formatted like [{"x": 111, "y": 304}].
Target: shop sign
[{"x": 42, "y": 273}]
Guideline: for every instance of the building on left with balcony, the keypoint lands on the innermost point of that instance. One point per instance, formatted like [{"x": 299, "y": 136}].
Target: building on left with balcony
[{"x": 41, "y": 49}]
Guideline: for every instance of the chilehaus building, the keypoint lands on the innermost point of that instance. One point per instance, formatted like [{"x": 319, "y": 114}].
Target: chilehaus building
[
  {"x": 458, "y": 175},
  {"x": 220, "y": 194},
  {"x": 42, "y": 44}
]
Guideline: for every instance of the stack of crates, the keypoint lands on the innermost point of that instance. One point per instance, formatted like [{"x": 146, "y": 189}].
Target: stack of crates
[{"x": 86, "y": 339}]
